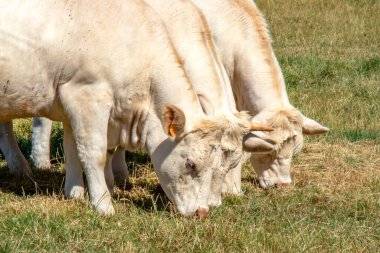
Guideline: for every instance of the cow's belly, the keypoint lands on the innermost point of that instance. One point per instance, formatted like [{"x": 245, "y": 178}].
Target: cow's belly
[
  {"x": 23, "y": 103},
  {"x": 26, "y": 87}
]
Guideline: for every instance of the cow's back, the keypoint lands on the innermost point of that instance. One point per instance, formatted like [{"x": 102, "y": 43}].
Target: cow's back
[{"x": 45, "y": 44}]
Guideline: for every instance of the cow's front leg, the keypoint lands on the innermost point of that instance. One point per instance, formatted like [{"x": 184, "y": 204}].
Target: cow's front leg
[
  {"x": 215, "y": 198},
  {"x": 92, "y": 151},
  {"x": 88, "y": 109},
  {"x": 232, "y": 181},
  {"x": 119, "y": 166},
  {"x": 41, "y": 142},
  {"x": 17, "y": 163},
  {"x": 109, "y": 176},
  {"x": 91, "y": 143},
  {"x": 74, "y": 186}
]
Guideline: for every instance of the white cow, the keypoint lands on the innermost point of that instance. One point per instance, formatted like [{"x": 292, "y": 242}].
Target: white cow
[
  {"x": 108, "y": 71},
  {"x": 190, "y": 35},
  {"x": 243, "y": 43}
]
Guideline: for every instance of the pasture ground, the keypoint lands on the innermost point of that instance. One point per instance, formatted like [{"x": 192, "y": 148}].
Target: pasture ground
[{"x": 329, "y": 51}]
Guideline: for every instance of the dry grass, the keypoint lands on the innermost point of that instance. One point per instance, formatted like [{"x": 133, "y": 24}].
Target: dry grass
[
  {"x": 329, "y": 52},
  {"x": 333, "y": 205},
  {"x": 343, "y": 166}
]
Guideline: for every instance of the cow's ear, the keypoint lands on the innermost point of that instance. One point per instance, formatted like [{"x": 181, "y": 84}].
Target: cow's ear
[
  {"x": 255, "y": 144},
  {"x": 311, "y": 127},
  {"x": 173, "y": 119},
  {"x": 207, "y": 107}
]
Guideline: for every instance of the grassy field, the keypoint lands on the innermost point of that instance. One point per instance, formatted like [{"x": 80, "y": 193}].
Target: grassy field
[{"x": 329, "y": 51}]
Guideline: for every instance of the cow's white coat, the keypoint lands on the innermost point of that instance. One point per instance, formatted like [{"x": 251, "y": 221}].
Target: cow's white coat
[
  {"x": 108, "y": 71},
  {"x": 240, "y": 34}
]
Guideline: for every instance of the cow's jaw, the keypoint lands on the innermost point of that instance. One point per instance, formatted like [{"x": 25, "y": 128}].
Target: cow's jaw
[
  {"x": 188, "y": 188},
  {"x": 275, "y": 169}
]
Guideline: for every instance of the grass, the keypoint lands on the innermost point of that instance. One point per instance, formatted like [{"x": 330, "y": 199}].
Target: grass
[
  {"x": 332, "y": 206},
  {"x": 343, "y": 94},
  {"x": 329, "y": 53}
]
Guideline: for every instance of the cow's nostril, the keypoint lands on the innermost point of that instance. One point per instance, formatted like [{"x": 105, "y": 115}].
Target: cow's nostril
[{"x": 201, "y": 213}]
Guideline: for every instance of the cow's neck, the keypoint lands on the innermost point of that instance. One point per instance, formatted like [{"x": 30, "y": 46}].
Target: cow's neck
[
  {"x": 190, "y": 34},
  {"x": 244, "y": 46},
  {"x": 171, "y": 85},
  {"x": 141, "y": 129},
  {"x": 223, "y": 82},
  {"x": 168, "y": 85},
  {"x": 257, "y": 82},
  {"x": 154, "y": 83}
]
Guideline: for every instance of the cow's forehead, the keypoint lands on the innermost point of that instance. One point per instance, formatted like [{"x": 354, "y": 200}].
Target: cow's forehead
[
  {"x": 202, "y": 137},
  {"x": 281, "y": 135}
]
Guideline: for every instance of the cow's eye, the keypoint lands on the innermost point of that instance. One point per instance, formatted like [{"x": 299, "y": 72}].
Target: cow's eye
[{"x": 190, "y": 164}]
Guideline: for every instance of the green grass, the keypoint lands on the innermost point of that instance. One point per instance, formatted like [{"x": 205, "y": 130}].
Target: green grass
[
  {"x": 329, "y": 51},
  {"x": 343, "y": 94}
]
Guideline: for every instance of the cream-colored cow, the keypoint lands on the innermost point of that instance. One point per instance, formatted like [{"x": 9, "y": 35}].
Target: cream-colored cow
[
  {"x": 190, "y": 36},
  {"x": 108, "y": 71},
  {"x": 243, "y": 43}
]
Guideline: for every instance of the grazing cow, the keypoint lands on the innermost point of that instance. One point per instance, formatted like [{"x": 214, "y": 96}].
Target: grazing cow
[
  {"x": 189, "y": 31},
  {"x": 190, "y": 36},
  {"x": 242, "y": 40},
  {"x": 108, "y": 71}
]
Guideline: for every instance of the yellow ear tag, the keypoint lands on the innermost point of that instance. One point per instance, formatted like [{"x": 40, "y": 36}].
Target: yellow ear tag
[{"x": 171, "y": 131}]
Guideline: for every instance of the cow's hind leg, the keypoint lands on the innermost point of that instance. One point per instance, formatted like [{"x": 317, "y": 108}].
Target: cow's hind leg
[
  {"x": 17, "y": 163},
  {"x": 41, "y": 143},
  {"x": 74, "y": 186}
]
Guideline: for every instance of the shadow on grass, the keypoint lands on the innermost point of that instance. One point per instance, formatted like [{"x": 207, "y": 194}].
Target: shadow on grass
[
  {"x": 143, "y": 191},
  {"x": 43, "y": 182},
  {"x": 149, "y": 199}
]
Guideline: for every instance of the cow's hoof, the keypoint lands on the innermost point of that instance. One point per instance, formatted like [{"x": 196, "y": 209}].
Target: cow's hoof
[
  {"x": 234, "y": 191},
  {"x": 19, "y": 168},
  {"x": 110, "y": 189},
  {"x": 41, "y": 164},
  {"x": 76, "y": 192},
  {"x": 105, "y": 208},
  {"x": 266, "y": 184},
  {"x": 121, "y": 179},
  {"x": 215, "y": 202}
]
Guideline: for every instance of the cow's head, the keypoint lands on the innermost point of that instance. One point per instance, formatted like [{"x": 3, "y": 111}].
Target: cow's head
[
  {"x": 185, "y": 161},
  {"x": 272, "y": 152},
  {"x": 238, "y": 126},
  {"x": 235, "y": 127}
]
